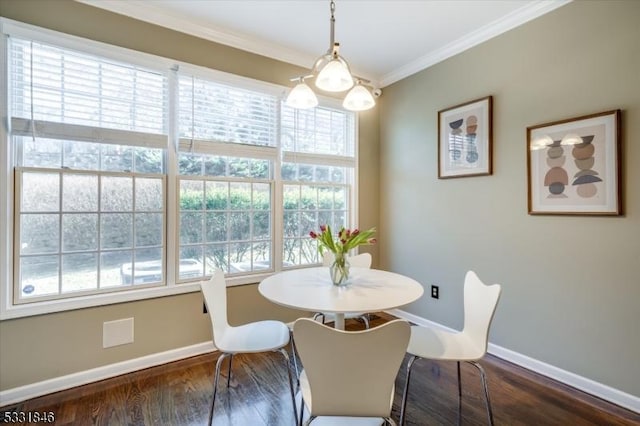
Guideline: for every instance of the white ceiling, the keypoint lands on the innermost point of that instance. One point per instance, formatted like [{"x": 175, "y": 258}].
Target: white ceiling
[{"x": 383, "y": 40}]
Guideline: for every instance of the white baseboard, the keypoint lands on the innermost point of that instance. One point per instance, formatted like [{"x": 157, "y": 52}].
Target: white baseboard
[
  {"x": 589, "y": 386},
  {"x": 22, "y": 393}
]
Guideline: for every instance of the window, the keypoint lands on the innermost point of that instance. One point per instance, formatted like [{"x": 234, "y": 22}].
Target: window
[
  {"x": 90, "y": 203},
  {"x": 318, "y": 176},
  {"x": 225, "y": 169},
  {"x": 105, "y": 199}
]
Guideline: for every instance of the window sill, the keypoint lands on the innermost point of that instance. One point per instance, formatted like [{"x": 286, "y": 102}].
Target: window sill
[{"x": 52, "y": 306}]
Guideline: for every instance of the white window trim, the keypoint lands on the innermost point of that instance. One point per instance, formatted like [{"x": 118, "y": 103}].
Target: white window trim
[
  {"x": 6, "y": 175},
  {"x": 167, "y": 67}
]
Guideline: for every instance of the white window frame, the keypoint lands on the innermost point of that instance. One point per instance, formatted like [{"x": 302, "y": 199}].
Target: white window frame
[{"x": 169, "y": 67}]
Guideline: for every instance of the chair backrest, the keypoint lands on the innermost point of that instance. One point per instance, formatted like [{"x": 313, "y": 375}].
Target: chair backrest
[
  {"x": 362, "y": 260},
  {"x": 215, "y": 298},
  {"x": 351, "y": 373},
  {"x": 480, "y": 303}
]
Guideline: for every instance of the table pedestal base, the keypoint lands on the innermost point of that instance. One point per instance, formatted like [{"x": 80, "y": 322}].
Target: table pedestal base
[{"x": 339, "y": 321}]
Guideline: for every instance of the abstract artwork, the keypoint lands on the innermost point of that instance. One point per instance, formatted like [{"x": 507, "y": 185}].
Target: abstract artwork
[
  {"x": 574, "y": 166},
  {"x": 464, "y": 139}
]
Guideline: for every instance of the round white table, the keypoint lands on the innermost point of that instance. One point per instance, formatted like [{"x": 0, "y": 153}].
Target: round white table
[{"x": 369, "y": 290}]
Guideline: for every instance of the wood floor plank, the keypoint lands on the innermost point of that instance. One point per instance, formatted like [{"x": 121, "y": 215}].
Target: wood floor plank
[{"x": 179, "y": 394}]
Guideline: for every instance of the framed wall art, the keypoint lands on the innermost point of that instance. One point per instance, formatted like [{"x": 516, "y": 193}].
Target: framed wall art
[
  {"x": 574, "y": 166},
  {"x": 465, "y": 138}
]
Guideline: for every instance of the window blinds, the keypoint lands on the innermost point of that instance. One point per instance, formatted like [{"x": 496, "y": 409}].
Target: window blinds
[
  {"x": 211, "y": 111},
  {"x": 318, "y": 136},
  {"x": 61, "y": 93}
]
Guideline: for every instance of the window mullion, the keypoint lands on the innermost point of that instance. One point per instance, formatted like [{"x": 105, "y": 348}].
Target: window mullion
[
  {"x": 60, "y": 230},
  {"x": 172, "y": 190},
  {"x": 277, "y": 211}
]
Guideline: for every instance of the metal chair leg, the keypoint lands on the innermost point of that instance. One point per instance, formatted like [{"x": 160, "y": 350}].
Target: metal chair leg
[
  {"x": 301, "y": 410},
  {"x": 390, "y": 421},
  {"x": 295, "y": 359},
  {"x": 215, "y": 384},
  {"x": 318, "y": 315},
  {"x": 483, "y": 377},
  {"x": 406, "y": 389},
  {"x": 229, "y": 370},
  {"x": 459, "y": 395},
  {"x": 308, "y": 422},
  {"x": 293, "y": 395},
  {"x": 365, "y": 320}
]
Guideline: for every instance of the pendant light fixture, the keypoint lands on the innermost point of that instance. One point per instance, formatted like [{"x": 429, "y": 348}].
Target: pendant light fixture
[{"x": 332, "y": 74}]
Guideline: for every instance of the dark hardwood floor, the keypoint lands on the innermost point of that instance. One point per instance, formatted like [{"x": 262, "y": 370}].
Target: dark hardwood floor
[{"x": 179, "y": 394}]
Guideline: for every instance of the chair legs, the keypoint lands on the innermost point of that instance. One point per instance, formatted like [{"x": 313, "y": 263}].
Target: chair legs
[
  {"x": 293, "y": 395},
  {"x": 293, "y": 354},
  {"x": 215, "y": 383},
  {"x": 217, "y": 376},
  {"x": 483, "y": 377},
  {"x": 459, "y": 394},
  {"x": 229, "y": 370},
  {"x": 318, "y": 315},
  {"x": 299, "y": 422},
  {"x": 487, "y": 401},
  {"x": 365, "y": 319},
  {"x": 406, "y": 389}
]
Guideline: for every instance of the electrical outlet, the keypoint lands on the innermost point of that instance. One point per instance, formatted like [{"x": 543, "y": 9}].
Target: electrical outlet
[{"x": 435, "y": 291}]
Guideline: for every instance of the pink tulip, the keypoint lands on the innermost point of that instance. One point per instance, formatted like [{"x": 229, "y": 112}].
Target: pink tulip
[
  {"x": 323, "y": 228},
  {"x": 372, "y": 241},
  {"x": 313, "y": 234}
]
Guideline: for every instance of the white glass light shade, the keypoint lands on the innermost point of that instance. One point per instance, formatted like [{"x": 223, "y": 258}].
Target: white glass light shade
[
  {"x": 571, "y": 139},
  {"x": 540, "y": 143},
  {"x": 334, "y": 77},
  {"x": 302, "y": 97},
  {"x": 358, "y": 99}
]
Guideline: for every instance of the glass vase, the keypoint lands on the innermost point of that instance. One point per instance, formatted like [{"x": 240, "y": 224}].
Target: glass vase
[{"x": 339, "y": 270}]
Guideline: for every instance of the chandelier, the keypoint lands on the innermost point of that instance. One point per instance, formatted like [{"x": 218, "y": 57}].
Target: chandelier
[{"x": 332, "y": 74}]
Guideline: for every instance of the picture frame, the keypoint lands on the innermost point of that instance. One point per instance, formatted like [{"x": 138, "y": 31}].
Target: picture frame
[
  {"x": 465, "y": 138},
  {"x": 573, "y": 166}
]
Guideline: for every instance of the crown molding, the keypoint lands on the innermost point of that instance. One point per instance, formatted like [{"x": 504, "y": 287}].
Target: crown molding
[
  {"x": 493, "y": 29},
  {"x": 146, "y": 11}
]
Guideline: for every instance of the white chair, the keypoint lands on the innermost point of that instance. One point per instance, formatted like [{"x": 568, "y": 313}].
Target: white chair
[
  {"x": 259, "y": 336},
  {"x": 362, "y": 260},
  {"x": 468, "y": 345},
  {"x": 336, "y": 382}
]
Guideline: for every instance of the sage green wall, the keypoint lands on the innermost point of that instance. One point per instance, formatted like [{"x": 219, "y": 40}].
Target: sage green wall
[
  {"x": 48, "y": 346},
  {"x": 571, "y": 285}
]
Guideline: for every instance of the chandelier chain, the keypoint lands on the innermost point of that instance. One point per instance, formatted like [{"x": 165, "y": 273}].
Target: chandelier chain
[{"x": 332, "y": 38}]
